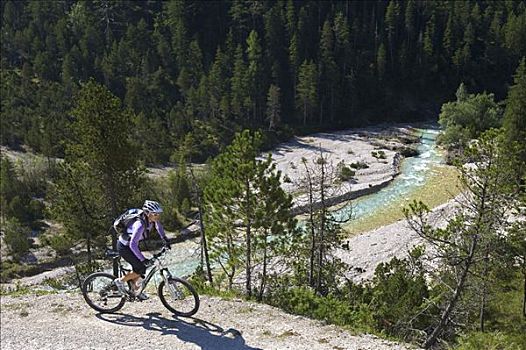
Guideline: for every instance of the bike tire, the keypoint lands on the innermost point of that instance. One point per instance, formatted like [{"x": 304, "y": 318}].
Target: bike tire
[
  {"x": 185, "y": 303},
  {"x": 98, "y": 289}
]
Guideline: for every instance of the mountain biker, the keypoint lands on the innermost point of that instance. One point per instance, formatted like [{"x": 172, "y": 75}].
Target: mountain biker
[{"x": 128, "y": 245}]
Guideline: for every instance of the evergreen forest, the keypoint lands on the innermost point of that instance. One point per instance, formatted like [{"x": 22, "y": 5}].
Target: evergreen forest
[
  {"x": 96, "y": 95},
  {"x": 195, "y": 72}
]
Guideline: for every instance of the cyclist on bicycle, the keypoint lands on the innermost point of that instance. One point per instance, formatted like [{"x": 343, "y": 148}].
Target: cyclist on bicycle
[{"x": 135, "y": 231}]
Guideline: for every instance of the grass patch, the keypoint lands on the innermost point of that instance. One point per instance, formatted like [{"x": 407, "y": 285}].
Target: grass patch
[
  {"x": 21, "y": 290},
  {"x": 441, "y": 186}
]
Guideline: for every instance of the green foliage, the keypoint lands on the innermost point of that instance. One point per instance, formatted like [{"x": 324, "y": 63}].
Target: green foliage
[
  {"x": 346, "y": 173},
  {"x": 514, "y": 122},
  {"x": 19, "y": 185},
  {"x": 101, "y": 174},
  {"x": 60, "y": 242},
  {"x": 304, "y": 301},
  {"x": 248, "y": 214},
  {"x": 359, "y": 165},
  {"x": 16, "y": 237},
  {"x": 490, "y": 341},
  {"x": 378, "y": 154},
  {"x": 398, "y": 295},
  {"x": 10, "y": 270},
  {"x": 307, "y": 90},
  {"x": 468, "y": 117},
  {"x": 332, "y": 62}
]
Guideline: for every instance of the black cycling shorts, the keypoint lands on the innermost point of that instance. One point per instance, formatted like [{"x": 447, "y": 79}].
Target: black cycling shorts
[{"x": 127, "y": 254}]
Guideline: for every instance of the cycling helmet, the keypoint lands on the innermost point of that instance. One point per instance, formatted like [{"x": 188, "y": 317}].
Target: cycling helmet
[{"x": 152, "y": 207}]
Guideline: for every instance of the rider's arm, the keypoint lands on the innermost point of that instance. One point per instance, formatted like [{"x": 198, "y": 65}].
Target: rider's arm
[
  {"x": 159, "y": 227},
  {"x": 136, "y": 232}
]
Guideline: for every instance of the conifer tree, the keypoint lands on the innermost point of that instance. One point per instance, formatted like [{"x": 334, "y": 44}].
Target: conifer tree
[
  {"x": 273, "y": 107},
  {"x": 241, "y": 196},
  {"x": 307, "y": 90},
  {"x": 514, "y": 121},
  {"x": 101, "y": 176}
]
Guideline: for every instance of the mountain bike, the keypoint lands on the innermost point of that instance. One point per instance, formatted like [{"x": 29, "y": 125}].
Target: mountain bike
[{"x": 176, "y": 294}]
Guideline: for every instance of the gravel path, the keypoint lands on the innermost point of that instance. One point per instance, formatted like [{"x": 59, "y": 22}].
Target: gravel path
[{"x": 64, "y": 321}]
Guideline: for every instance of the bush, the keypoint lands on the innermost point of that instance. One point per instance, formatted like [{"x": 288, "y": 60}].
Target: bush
[
  {"x": 359, "y": 165},
  {"x": 490, "y": 341},
  {"x": 303, "y": 301},
  {"x": 60, "y": 243},
  {"x": 398, "y": 293},
  {"x": 346, "y": 173},
  {"x": 378, "y": 154},
  {"x": 10, "y": 270},
  {"x": 16, "y": 237}
]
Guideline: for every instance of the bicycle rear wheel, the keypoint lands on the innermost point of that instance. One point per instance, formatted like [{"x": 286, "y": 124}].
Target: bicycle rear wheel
[
  {"x": 101, "y": 294},
  {"x": 179, "y": 297}
]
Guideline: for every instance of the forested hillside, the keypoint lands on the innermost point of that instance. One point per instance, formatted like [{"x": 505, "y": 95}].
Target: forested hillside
[
  {"x": 94, "y": 92},
  {"x": 194, "y": 72}
]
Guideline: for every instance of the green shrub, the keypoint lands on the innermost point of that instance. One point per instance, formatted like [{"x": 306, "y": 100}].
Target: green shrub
[
  {"x": 346, "y": 173},
  {"x": 10, "y": 270},
  {"x": 16, "y": 237},
  {"x": 378, "y": 154},
  {"x": 60, "y": 243},
  {"x": 303, "y": 301},
  {"x": 398, "y": 293},
  {"x": 491, "y": 341},
  {"x": 359, "y": 165}
]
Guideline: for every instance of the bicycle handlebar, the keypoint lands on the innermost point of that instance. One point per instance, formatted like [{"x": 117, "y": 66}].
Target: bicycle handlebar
[{"x": 163, "y": 250}]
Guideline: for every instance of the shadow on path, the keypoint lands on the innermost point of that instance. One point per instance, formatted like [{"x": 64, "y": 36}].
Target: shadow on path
[{"x": 206, "y": 335}]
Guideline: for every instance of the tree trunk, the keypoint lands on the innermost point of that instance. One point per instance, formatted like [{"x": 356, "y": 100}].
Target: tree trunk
[
  {"x": 322, "y": 225},
  {"x": 88, "y": 239},
  {"x": 114, "y": 212},
  {"x": 305, "y": 113},
  {"x": 248, "y": 243},
  {"x": 248, "y": 266},
  {"x": 456, "y": 295},
  {"x": 204, "y": 244},
  {"x": 483, "y": 299},
  {"x": 524, "y": 296},
  {"x": 264, "y": 274},
  {"x": 312, "y": 228},
  {"x": 321, "y": 110}
]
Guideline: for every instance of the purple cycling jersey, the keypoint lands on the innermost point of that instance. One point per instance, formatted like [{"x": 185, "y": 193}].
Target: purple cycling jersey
[{"x": 137, "y": 234}]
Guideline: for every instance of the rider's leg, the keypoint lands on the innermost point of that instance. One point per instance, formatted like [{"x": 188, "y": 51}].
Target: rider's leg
[
  {"x": 131, "y": 276},
  {"x": 138, "y": 267}
]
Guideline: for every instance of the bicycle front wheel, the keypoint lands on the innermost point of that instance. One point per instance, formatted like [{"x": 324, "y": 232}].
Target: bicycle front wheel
[
  {"x": 101, "y": 294},
  {"x": 179, "y": 297}
]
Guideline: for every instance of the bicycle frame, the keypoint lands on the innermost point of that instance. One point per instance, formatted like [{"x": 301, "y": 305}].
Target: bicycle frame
[{"x": 158, "y": 266}]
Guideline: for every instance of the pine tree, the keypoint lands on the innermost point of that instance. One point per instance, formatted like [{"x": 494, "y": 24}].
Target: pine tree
[
  {"x": 239, "y": 86},
  {"x": 307, "y": 90},
  {"x": 465, "y": 247},
  {"x": 241, "y": 196},
  {"x": 100, "y": 175},
  {"x": 381, "y": 61},
  {"x": 514, "y": 121},
  {"x": 328, "y": 71},
  {"x": 254, "y": 73},
  {"x": 392, "y": 15},
  {"x": 273, "y": 107}
]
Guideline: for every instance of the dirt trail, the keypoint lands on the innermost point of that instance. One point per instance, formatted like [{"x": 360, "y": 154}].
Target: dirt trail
[{"x": 64, "y": 321}]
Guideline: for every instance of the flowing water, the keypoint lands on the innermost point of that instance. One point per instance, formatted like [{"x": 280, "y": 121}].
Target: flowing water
[{"x": 414, "y": 171}]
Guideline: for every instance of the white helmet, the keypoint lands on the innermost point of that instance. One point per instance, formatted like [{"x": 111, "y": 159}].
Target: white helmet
[{"x": 152, "y": 207}]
